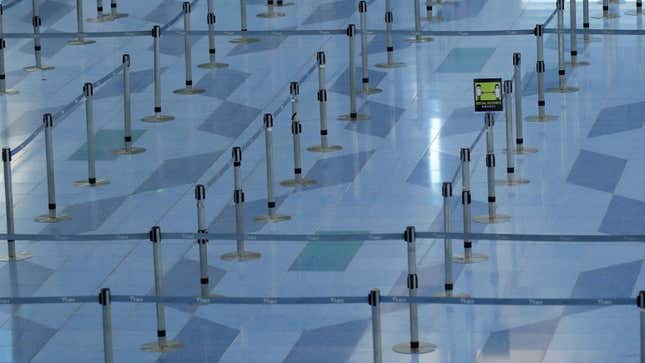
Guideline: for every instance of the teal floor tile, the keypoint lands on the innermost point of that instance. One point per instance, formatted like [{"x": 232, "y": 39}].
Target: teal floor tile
[
  {"x": 466, "y": 60},
  {"x": 327, "y": 256},
  {"x": 104, "y": 142}
]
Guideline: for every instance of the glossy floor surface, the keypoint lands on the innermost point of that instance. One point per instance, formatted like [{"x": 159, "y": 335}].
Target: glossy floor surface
[{"x": 586, "y": 179}]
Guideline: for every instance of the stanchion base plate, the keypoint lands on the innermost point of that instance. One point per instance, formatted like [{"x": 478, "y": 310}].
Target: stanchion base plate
[
  {"x": 162, "y": 347},
  {"x": 20, "y": 256},
  {"x": 358, "y": 117},
  {"x": 566, "y": 89},
  {"x": 524, "y": 150},
  {"x": 46, "y": 218},
  {"x": 579, "y": 63},
  {"x": 81, "y": 42},
  {"x": 297, "y": 182},
  {"x": 406, "y": 348},
  {"x": 275, "y": 14},
  {"x": 244, "y": 40},
  {"x": 324, "y": 149},
  {"x": 101, "y": 19},
  {"x": 487, "y": 219},
  {"x": 633, "y": 13},
  {"x": 118, "y": 15},
  {"x": 419, "y": 40},
  {"x": 158, "y": 118},
  {"x": 273, "y": 218},
  {"x": 390, "y": 65},
  {"x": 545, "y": 118},
  {"x": 189, "y": 91},
  {"x": 284, "y": 4},
  {"x": 132, "y": 150},
  {"x": 448, "y": 2},
  {"x": 213, "y": 65},
  {"x": 9, "y": 91},
  {"x": 41, "y": 68},
  {"x": 86, "y": 183},
  {"x": 436, "y": 18},
  {"x": 512, "y": 181},
  {"x": 370, "y": 91},
  {"x": 609, "y": 16},
  {"x": 589, "y": 39},
  {"x": 241, "y": 256},
  {"x": 474, "y": 258}
]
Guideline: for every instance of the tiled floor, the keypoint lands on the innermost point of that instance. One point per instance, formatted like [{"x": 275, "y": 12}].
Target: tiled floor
[{"x": 586, "y": 179}]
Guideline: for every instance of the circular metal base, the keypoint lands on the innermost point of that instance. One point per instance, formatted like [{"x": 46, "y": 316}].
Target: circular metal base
[
  {"x": 101, "y": 19},
  {"x": 189, "y": 91},
  {"x": 213, "y": 65},
  {"x": 448, "y": 2},
  {"x": 273, "y": 218},
  {"x": 545, "y": 118},
  {"x": 275, "y": 14},
  {"x": 370, "y": 91},
  {"x": 609, "y": 16},
  {"x": 324, "y": 149},
  {"x": 474, "y": 258},
  {"x": 419, "y": 40},
  {"x": 20, "y": 256},
  {"x": 487, "y": 219},
  {"x": 244, "y": 40},
  {"x": 284, "y": 4},
  {"x": 41, "y": 68},
  {"x": 390, "y": 65},
  {"x": 523, "y": 150},
  {"x": 579, "y": 63},
  {"x": 9, "y": 91},
  {"x": 589, "y": 39},
  {"x": 297, "y": 182},
  {"x": 566, "y": 89},
  {"x": 633, "y": 13},
  {"x": 86, "y": 183},
  {"x": 158, "y": 118},
  {"x": 81, "y": 42},
  {"x": 241, "y": 256},
  {"x": 358, "y": 117},
  {"x": 511, "y": 181},
  {"x": 132, "y": 150},
  {"x": 118, "y": 15},
  {"x": 162, "y": 347},
  {"x": 46, "y": 218},
  {"x": 436, "y": 18},
  {"x": 406, "y": 348}
]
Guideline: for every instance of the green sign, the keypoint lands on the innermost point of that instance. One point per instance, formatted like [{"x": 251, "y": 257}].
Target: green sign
[{"x": 488, "y": 95}]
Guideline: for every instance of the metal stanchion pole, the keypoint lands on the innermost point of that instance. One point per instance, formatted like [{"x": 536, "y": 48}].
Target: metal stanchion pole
[
  {"x": 105, "y": 299},
  {"x": 606, "y": 14},
  {"x": 638, "y": 11},
  {"x": 296, "y": 130},
  {"x": 573, "y": 25},
  {"x": 414, "y": 346},
  {"x": 429, "y": 13},
  {"x": 562, "y": 86},
  {"x": 510, "y": 179},
  {"x": 91, "y": 181},
  {"x": 271, "y": 216},
  {"x": 100, "y": 17},
  {"x": 362, "y": 10},
  {"x": 37, "y": 22},
  {"x": 243, "y": 39},
  {"x": 324, "y": 146},
  {"x": 240, "y": 253},
  {"x": 162, "y": 344},
  {"x": 640, "y": 302},
  {"x": 3, "y": 77},
  {"x": 469, "y": 257},
  {"x": 81, "y": 40},
  {"x": 271, "y": 13},
  {"x": 188, "y": 90},
  {"x": 11, "y": 255},
  {"x": 418, "y": 38},
  {"x": 158, "y": 116},
  {"x": 353, "y": 114},
  {"x": 389, "y": 19},
  {"x": 446, "y": 192},
  {"x": 281, "y": 3},
  {"x": 520, "y": 148},
  {"x": 211, "y": 20},
  {"x": 200, "y": 196},
  {"x": 374, "y": 299},
  {"x": 127, "y": 149},
  {"x": 492, "y": 216},
  {"x": 114, "y": 12},
  {"x": 540, "y": 69},
  {"x": 51, "y": 216}
]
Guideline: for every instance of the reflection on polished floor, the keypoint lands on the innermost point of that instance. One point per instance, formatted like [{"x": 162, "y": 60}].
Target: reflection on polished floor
[{"x": 585, "y": 179}]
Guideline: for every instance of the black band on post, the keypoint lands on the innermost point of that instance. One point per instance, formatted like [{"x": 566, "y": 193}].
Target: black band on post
[
  {"x": 271, "y": 204},
  {"x": 491, "y": 199}
]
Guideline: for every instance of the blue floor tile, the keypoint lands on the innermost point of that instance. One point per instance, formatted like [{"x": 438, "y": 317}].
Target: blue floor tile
[
  {"x": 383, "y": 119},
  {"x": 433, "y": 168},
  {"x": 86, "y": 217},
  {"x": 341, "y": 85},
  {"x": 223, "y": 83},
  {"x": 624, "y": 216},
  {"x": 466, "y": 60},
  {"x": 597, "y": 171},
  {"x": 338, "y": 169},
  {"x": 329, "y": 344},
  {"x": 230, "y": 119},
  {"x": 204, "y": 341},
  {"x": 106, "y": 141},
  {"x": 327, "y": 256},
  {"x": 23, "y": 339},
  {"x": 180, "y": 171},
  {"x": 617, "y": 119}
]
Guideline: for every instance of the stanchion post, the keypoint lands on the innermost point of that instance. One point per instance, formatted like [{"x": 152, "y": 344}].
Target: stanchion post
[
  {"x": 562, "y": 86},
  {"x": 202, "y": 242},
  {"x": 3, "y": 77},
  {"x": 211, "y": 20},
  {"x": 510, "y": 179},
  {"x": 114, "y": 12},
  {"x": 540, "y": 68},
  {"x": 374, "y": 299},
  {"x": 605, "y": 12},
  {"x": 466, "y": 200},
  {"x": 91, "y": 181},
  {"x": 158, "y": 116},
  {"x": 127, "y": 149},
  {"x": 188, "y": 55},
  {"x": 100, "y": 16},
  {"x": 353, "y": 114},
  {"x": 80, "y": 27},
  {"x": 11, "y": 255},
  {"x": 324, "y": 146},
  {"x": 573, "y": 33},
  {"x": 51, "y": 216},
  {"x": 640, "y": 302},
  {"x": 418, "y": 38},
  {"x": 638, "y": 11},
  {"x": 296, "y": 130},
  {"x": 520, "y": 148},
  {"x": 162, "y": 344},
  {"x": 39, "y": 66},
  {"x": 389, "y": 20},
  {"x": 362, "y": 11},
  {"x": 105, "y": 299},
  {"x": 243, "y": 28},
  {"x": 446, "y": 192},
  {"x": 271, "y": 13},
  {"x": 271, "y": 215},
  {"x": 430, "y": 13},
  {"x": 240, "y": 253},
  {"x": 414, "y": 346}
]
